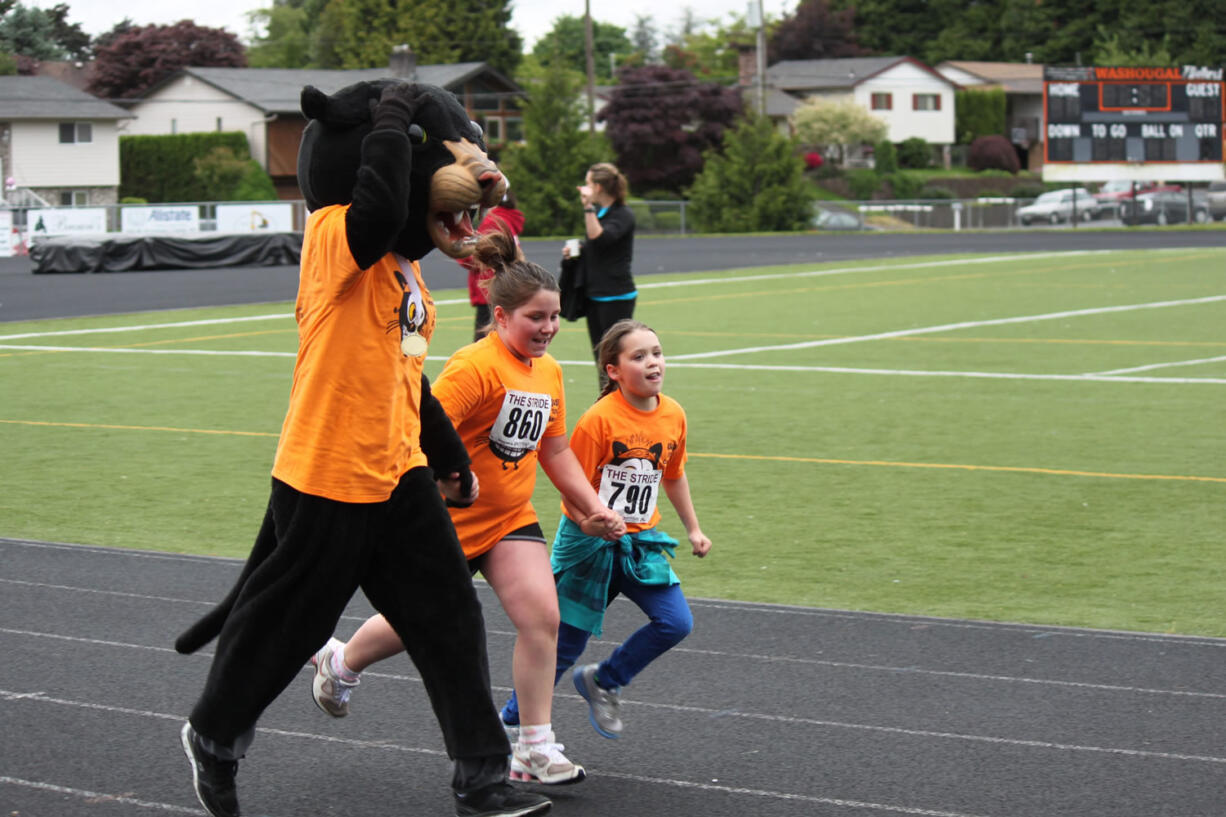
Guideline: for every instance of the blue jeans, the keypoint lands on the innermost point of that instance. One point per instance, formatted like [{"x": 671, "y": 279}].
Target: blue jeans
[{"x": 670, "y": 621}]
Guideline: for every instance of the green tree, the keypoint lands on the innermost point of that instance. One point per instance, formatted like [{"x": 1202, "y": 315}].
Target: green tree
[
  {"x": 545, "y": 170},
  {"x": 439, "y": 31},
  {"x": 1109, "y": 50},
  {"x": 755, "y": 183},
  {"x": 286, "y": 42},
  {"x": 563, "y": 47},
  {"x": 645, "y": 38},
  {"x": 837, "y": 123},
  {"x": 42, "y": 34}
]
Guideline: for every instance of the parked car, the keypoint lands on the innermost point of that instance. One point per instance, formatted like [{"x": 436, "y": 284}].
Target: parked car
[
  {"x": 1112, "y": 193},
  {"x": 1164, "y": 207},
  {"x": 1215, "y": 199},
  {"x": 1056, "y": 206},
  {"x": 824, "y": 219}
]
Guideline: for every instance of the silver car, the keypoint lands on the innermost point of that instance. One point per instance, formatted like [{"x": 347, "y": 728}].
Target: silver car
[
  {"x": 1057, "y": 206},
  {"x": 1215, "y": 198}
]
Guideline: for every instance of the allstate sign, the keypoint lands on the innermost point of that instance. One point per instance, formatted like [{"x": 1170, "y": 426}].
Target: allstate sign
[{"x": 173, "y": 219}]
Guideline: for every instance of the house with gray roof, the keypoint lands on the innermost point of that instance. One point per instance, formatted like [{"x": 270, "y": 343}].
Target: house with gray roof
[
  {"x": 263, "y": 103},
  {"x": 58, "y": 145},
  {"x": 912, "y": 99}
]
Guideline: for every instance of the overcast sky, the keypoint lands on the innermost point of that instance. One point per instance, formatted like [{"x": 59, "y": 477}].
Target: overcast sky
[{"x": 531, "y": 18}]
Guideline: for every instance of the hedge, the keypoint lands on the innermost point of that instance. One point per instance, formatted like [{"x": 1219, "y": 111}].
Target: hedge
[{"x": 162, "y": 168}]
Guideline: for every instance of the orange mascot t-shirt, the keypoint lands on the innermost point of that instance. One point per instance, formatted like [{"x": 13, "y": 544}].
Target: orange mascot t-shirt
[
  {"x": 502, "y": 407},
  {"x": 353, "y": 425},
  {"x": 626, "y": 452}
]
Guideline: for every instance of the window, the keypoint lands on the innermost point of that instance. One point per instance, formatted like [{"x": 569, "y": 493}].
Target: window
[
  {"x": 925, "y": 102},
  {"x": 515, "y": 129},
  {"x": 74, "y": 198},
  {"x": 219, "y": 124},
  {"x": 882, "y": 101},
  {"x": 72, "y": 132},
  {"x": 493, "y": 129}
]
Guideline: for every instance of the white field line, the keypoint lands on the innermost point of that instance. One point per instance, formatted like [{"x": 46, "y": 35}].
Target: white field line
[
  {"x": 1153, "y": 366},
  {"x": 952, "y": 327},
  {"x": 690, "y": 282}
]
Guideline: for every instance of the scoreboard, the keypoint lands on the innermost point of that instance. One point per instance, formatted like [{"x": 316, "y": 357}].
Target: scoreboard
[{"x": 1144, "y": 124}]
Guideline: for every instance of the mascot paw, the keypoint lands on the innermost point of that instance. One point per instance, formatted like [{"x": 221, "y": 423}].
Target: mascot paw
[{"x": 397, "y": 107}]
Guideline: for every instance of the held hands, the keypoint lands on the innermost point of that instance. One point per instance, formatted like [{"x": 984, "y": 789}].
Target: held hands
[
  {"x": 700, "y": 543},
  {"x": 605, "y": 523},
  {"x": 586, "y": 194},
  {"x": 459, "y": 489}
]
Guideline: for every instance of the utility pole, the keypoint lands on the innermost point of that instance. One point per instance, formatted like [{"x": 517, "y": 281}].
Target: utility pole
[
  {"x": 758, "y": 18},
  {"x": 591, "y": 66}
]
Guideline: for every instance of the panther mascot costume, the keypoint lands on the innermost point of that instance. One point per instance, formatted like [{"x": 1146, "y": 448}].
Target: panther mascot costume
[{"x": 390, "y": 171}]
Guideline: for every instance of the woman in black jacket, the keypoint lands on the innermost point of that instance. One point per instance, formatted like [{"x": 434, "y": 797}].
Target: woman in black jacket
[{"x": 607, "y": 251}]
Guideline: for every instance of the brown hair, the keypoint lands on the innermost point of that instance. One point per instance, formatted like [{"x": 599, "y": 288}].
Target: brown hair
[
  {"x": 610, "y": 180},
  {"x": 610, "y": 348},
  {"x": 515, "y": 280}
]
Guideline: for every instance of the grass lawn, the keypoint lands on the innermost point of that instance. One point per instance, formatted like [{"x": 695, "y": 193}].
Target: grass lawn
[{"x": 1036, "y": 438}]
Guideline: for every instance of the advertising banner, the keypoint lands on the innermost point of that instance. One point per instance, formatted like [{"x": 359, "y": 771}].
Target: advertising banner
[
  {"x": 256, "y": 217},
  {"x": 6, "y": 233},
  {"x": 184, "y": 218},
  {"x": 66, "y": 221}
]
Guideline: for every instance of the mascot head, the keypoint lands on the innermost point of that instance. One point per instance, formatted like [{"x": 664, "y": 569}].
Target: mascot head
[{"x": 451, "y": 179}]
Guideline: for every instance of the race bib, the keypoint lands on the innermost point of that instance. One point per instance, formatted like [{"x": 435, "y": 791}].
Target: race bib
[
  {"x": 632, "y": 492},
  {"x": 520, "y": 425}
]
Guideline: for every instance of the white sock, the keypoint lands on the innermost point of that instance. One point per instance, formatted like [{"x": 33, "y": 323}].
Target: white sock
[
  {"x": 537, "y": 733},
  {"x": 338, "y": 666}
]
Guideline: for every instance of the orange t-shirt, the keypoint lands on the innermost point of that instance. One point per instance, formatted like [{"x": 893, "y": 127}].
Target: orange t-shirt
[
  {"x": 353, "y": 426},
  {"x": 502, "y": 408},
  {"x": 627, "y": 452}
]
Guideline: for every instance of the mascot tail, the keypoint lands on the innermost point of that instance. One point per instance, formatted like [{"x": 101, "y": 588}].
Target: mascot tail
[{"x": 210, "y": 624}]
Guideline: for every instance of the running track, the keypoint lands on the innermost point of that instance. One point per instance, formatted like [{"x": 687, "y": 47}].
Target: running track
[{"x": 765, "y": 710}]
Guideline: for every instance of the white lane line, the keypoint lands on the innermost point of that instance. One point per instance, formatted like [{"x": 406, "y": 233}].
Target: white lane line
[
  {"x": 1153, "y": 366},
  {"x": 95, "y": 797},
  {"x": 1047, "y": 631},
  {"x": 725, "y": 654},
  {"x": 648, "y": 285},
  {"x": 13, "y": 696},
  {"x": 952, "y": 327},
  {"x": 1101, "y": 377}
]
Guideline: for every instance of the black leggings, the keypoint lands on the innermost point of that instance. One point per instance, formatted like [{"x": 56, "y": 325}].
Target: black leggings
[
  {"x": 600, "y": 316},
  {"x": 315, "y": 553}
]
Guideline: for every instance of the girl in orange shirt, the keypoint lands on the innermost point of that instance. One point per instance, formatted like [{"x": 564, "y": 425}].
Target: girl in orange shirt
[
  {"x": 505, "y": 396},
  {"x": 632, "y": 445}
]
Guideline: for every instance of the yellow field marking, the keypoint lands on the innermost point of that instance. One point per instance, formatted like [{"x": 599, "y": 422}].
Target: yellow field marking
[
  {"x": 700, "y": 455},
  {"x": 110, "y": 427},
  {"x": 958, "y": 467}
]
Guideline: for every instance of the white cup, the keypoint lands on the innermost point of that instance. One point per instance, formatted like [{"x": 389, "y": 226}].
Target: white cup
[{"x": 572, "y": 247}]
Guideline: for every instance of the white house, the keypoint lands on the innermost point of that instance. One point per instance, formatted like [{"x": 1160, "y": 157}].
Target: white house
[
  {"x": 1022, "y": 83},
  {"x": 911, "y": 98},
  {"x": 57, "y": 143},
  {"x": 263, "y": 103}
]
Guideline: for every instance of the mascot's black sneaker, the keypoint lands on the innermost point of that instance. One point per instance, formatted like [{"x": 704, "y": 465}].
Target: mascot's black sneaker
[
  {"x": 212, "y": 777},
  {"x": 500, "y": 800}
]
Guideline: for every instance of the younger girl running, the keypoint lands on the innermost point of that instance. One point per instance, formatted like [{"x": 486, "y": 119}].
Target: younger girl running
[
  {"x": 504, "y": 395},
  {"x": 631, "y": 443}
]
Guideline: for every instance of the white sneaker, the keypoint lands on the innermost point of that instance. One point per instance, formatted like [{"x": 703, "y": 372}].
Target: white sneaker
[
  {"x": 543, "y": 763},
  {"x": 331, "y": 694}
]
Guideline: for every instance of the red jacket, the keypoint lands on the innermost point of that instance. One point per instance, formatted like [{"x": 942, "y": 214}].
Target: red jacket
[{"x": 497, "y": 217}]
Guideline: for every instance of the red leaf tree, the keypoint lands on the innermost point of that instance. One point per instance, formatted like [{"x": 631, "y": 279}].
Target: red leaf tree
[
  {"x": 141, "y": 57},
  {"x": 660, "y": 120}
]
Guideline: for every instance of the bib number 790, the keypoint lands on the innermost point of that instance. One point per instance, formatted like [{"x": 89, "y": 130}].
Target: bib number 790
[{"x": 630, "y": 492}]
